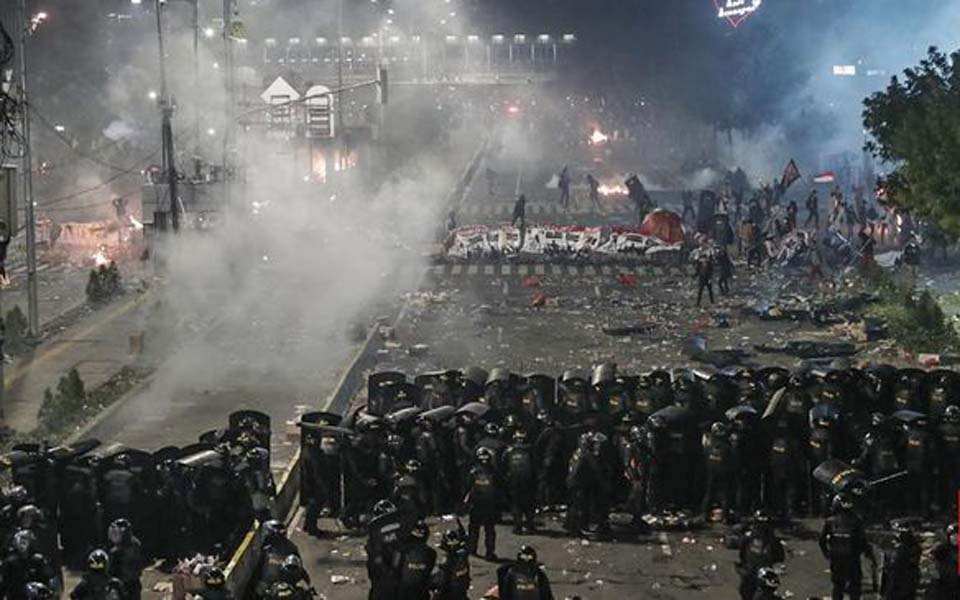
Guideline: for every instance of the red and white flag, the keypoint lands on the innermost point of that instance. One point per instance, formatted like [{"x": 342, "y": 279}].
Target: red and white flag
[{"x": 827, "y": 177}]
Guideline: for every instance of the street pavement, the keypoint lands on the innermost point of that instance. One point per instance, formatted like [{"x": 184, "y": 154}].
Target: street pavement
[{"x": 691, "y": 565}]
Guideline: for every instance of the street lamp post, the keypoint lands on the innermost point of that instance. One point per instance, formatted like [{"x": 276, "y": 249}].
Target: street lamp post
[
  {"x": 168, "y": 157},
  {"x": 33, "y": 315}
]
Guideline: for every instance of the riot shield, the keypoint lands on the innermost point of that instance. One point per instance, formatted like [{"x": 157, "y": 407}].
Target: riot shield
[
  {"x": 500, "y": 390},
  {"x": 538, "y": 392},
  {"x": 382, "y": 389},
  {"x": 251, "y": 427},
  {"x": 474, "y": 382},
  {"x": 573, "y": 394}
]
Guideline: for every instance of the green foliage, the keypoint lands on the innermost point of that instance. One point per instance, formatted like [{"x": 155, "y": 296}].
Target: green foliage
[
  {"x": 62, "y": 408},
  {"x": 915, "y": 125},
  {"x": 915, "y": 321},
  {"x": 16, "y": 339}
]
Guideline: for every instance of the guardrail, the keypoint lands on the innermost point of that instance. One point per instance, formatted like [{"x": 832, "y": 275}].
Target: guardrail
[{"x": 242, "y": 567}]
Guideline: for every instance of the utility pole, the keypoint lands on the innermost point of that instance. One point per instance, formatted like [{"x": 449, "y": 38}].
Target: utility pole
[
  {"x": 338, "y": 108},
  {"x": 230, "y": 84},
  {"x": 168, "y": 156},
  {"x": 33, "y": 315}
]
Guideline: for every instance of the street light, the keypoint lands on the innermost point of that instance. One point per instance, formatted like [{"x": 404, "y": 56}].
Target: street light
[{"x": 209, "y": 32}]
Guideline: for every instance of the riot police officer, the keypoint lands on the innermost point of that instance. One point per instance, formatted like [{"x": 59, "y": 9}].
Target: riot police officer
[
  {"x": 823, "y": 444},
  {"x": 589, "y": 483},
  {"x": 524, "y": 579},
  {"x": 452, "y": 579},
  {"x": 948, "y": 459},
  {"x": 482, "y": 502},
  {"x": 258, "y": 480},
  {"x": 901, "y": 569},
  {"x": 636, "y": 464},
  {"x": 843, "y": 541},
  {"x": 879, "y": 455},
  {"x": 22, "y": 565},
  {"x": 276, "y": 548},
  {"x": 519, "y": 475},
  {"x": 409, "y": 491},
  {"x": 77, "y": 529},
  {"x": 759, "y": 548},
  {"x": 321, "y": 473},
  {"x": 918, "y": 460},
  {"x": 784, "y": 475},
  {"x": 721, "y": 486},
  {"x": 214, "y": 585},
  {"x": 93, "y": 582},
  {"x": 382, "y": 553},
  {"x": 426, "y": 447},
  {"x": 946, "y": 583},
  {"x": 550, "y": 464},
  {"x": 32, "y": 518},
  {"x": 415, "y": 560},
  {"x": 126, "y": 560}
]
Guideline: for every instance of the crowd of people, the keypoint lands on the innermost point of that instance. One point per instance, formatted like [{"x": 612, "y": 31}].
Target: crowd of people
[
  {"x": 110, "y": 511},
  {"x": 742, "y": 447}
]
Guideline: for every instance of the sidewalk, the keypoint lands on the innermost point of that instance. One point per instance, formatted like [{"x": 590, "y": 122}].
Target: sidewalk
[{"x": 97, "y": 346}]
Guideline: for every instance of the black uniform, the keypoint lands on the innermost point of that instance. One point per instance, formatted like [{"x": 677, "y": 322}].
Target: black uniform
[
  {"x": 843, "y": 541},
  {"x": 452, "y": 579},
  {"x": 550, "y": 465},
  {"x": 415, "y": 561},
  {"x": 704, "y": 275},
  {"x": 18, "y": 570},
  {"x": 946, "y": 584},
  {"x": 92, "y": 586},
  {"x": 721, "y": 485},
  {"x": 126, "y": 564},
  {"x": 519, "y": 476},
  {"x": 948, "y": 465},
  {"x": 523, "y": 582},
  {"x": 483, "y": 502},
  {"x": 901, "y": 571},
  {"x": 918, "y": 460},
  {"x": 784, "y": 472},
  {"x": 759, "y": 548}
]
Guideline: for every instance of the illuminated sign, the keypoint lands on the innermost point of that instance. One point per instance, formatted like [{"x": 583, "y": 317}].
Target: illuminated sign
[{"x": 736, "y": 11}]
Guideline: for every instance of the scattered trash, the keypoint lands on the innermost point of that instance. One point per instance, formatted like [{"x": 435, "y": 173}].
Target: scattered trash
[
  {"x": 339, "y": 579},
  {"x": 539, "y": 301}
]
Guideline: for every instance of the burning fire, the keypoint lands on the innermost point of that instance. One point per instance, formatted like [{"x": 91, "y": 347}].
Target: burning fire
[
  {"x": 612, "y": 190},
  {"x": 100, "y": 257},
  {"x": 598, "y": 137}
]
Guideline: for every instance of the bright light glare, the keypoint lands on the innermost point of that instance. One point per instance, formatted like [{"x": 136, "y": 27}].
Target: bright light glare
[
  {"x": 211, "y": 131},
  {"x": 59, "y": 128},
  {"x": 209, "y": 32},
  {"x": 152, "y": 95}
]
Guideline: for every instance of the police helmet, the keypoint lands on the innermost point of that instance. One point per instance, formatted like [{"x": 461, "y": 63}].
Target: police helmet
[
  {"x": 18, "y": 495},
  {"x": 599, "y": 438},
  {"x": 37, "y": 591},
  {"x": 394, "y": 440},
  {"x": 214, "y": 578},
  {"x": 274, "y": 528},
  {"x": 118, "y": 531},
  {"x": 97, "y": 560},
  {"x": 420, "y": 531},
  {"x": 24, "y": 541},
  {"x": 28, "y": 516},
  {"x": 484, "y": 455},
  {"x": 121, "y": 461},
  {"x": 952, "y": 413},
  {"x": 720, "y": 429},
  {"x": 452, "y": 540},
  {"x": 292, "y": 563},
  {"x": 520, "y": 435},
  {"x": 543, "y": 415},
  {"x": 877, "y": 419},
  {"x": 952, "y": 532},
  {"x": 768, "y": 578},
  {"x": 527, "y": 555},
  {"x": 412, "y": 466},
  {"x": 842, "y": 503},
  {"x": 383, "y": 507},
  {"x": 492, "y": 429},
  {"x": 637, "y": 433}
]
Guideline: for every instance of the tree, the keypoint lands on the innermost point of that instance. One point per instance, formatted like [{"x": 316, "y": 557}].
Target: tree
[{"x": 915, "y": 126}]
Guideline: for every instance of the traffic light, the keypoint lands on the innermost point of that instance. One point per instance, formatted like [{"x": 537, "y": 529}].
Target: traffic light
[{"x": 382, "y": 80}]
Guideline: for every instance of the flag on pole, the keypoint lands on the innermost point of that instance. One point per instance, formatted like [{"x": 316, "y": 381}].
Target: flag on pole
[
  {"x": 790, "y": 174},
  {"x": 827, "y": 177}
]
